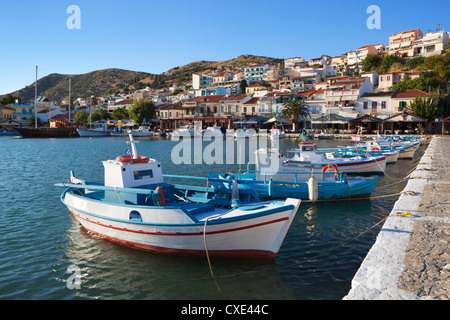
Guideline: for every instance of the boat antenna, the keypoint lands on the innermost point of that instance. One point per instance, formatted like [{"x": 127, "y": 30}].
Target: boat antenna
[
  {"x": 133, "y": 146},
  {"x": 70, "y": 85}
]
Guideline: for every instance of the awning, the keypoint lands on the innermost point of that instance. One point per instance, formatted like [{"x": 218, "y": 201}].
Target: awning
[
  {"x": 405, "y": 117},
  {"x": 332, "y": 118},
  {"x": 278, "y": 120}
]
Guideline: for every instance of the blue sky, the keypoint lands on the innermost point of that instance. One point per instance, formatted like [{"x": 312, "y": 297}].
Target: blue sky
[{"x": 155, "y": 36}]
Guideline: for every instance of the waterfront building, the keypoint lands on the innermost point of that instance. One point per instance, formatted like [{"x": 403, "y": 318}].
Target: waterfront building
[
  {"x": 6, "y": 113},
  {"x": 376, "y": 104},
  {"x": 401, "y": 99}
]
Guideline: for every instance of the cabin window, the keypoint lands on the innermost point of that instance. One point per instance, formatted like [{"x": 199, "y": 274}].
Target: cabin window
[
  {"x": 308, "y": 148},
  {"x": 143, "y": 174}
]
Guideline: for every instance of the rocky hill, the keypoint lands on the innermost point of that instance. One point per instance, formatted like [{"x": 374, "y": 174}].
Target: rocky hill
[{"x": 109, "y": 81}]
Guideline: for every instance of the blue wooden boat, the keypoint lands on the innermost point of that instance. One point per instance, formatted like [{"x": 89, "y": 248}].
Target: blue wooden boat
[{"x": 328, "y": 186}]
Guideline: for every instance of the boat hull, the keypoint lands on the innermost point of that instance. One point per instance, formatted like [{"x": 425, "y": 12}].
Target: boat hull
[
  {"x": 258, "y": 234},
  {"x": 93, "y": 133},
  {"x": 357, "y": 187},
  {"x": 45, "y": 132}
]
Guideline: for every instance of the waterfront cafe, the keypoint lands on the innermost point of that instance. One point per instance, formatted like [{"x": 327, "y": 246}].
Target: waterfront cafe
[
  {"x": 404, "y": 122},
  {"x": 331, "y": 121},
  {"x": 367, "y": 123}
]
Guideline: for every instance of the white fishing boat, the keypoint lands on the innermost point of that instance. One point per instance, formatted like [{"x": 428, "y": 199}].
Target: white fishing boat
[
  {"x": 142, "y": 131},
  {"x": 276, "y": 133},
  {"x": 216, "y": 132},
  {"x": 94, "y": 130},
  {"x": 245, "y": 133},
  {"x": 188, "y": 130},
  {"x": 308, "y": 153},
  {"x": 134, "y": 207}
]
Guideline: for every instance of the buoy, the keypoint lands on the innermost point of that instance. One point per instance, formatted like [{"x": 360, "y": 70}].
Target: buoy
[{"x": 313, "y": 188}]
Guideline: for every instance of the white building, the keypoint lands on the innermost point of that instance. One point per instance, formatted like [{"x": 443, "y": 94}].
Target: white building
[
  {"x": 291, "y": 62},
  {"x": 430, "y": 44}
]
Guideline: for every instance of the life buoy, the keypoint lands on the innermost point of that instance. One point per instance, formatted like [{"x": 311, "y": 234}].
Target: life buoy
[
  {"x": 325, "y": 168},
  {"x": 162, "y": 201},
  {"x": 128, "y": 159},
  {"x": 375, "y": 149}
]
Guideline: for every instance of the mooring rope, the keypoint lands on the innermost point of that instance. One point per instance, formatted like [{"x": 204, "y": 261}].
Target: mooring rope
[{"x": 298, "y": 262}]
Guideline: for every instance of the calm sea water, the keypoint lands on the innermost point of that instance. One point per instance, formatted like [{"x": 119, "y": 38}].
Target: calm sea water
[{"x": 39, "y": 241}]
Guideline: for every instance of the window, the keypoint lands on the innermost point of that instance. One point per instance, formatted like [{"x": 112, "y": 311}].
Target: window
[
  {"x": 383, "y": 104},
  {"x": 374, "y": 104},
  {"x": 143, "y": 174},
  {"x": 401, "y": 105},
  {"x": 366, "y": 104}
]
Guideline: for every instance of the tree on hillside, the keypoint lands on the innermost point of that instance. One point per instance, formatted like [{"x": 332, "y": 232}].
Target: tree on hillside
[
  {"x": 371, "y": 62},
  {"x": 295, "y": 110},
  {"x": 142, "y": 109},
  {"x": 243, "y": 86},
  {"x": 9, "y": 99},
  {"x": 387, "y": 62},
  {"x": 426, "y": 82}
]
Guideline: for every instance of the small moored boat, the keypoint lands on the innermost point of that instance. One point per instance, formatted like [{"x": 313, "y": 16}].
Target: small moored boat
[{"x": 136, "y": 208}]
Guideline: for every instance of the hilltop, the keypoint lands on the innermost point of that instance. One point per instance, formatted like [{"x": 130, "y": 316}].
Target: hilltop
[{"x": 109, "y": 81}]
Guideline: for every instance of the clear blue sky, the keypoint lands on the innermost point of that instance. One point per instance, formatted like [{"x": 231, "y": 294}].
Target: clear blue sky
[{"x": 155, "y": 36}]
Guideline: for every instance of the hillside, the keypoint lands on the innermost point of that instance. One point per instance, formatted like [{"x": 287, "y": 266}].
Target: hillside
[{"x": 56, "y": 86}]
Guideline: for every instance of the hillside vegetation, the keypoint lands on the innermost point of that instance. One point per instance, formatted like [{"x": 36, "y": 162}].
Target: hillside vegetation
[{"x": 109, "y": 81}]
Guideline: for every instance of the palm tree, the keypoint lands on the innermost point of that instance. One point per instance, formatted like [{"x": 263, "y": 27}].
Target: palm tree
[{"x": 295, "y": 109}]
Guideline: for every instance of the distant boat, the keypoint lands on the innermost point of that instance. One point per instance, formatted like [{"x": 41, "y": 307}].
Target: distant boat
[
  {"x": 94, "y": 130},
  {"x": 142, "y": 131},
  {"x": 47, "y": 132}
]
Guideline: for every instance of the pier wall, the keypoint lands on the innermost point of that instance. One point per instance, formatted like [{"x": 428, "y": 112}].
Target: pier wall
[{"x": 410, "y": 258}]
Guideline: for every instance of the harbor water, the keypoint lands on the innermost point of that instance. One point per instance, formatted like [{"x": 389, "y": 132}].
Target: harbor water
[{"x": 42, "y": 249}]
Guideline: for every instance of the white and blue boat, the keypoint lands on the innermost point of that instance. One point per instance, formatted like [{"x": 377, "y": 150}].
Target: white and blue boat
[
  {"x": 134, "y": 207},
  {"x": 303, "y": 180}
]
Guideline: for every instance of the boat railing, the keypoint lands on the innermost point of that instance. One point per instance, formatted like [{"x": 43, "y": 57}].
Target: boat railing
[{"x": 267, "y": 176}]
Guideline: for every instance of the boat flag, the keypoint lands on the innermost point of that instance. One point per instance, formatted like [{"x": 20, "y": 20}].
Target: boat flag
[{"x": 129, "y": 151}]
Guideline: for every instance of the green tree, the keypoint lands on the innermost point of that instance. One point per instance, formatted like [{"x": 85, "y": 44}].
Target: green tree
[
  {"x": 9, "y": 98},
  {"x": 295, "y": 109},
  {"x": 142, "y": 109},
  {"x": 387, "y": 62},
  {"x": 426, "y": 107},
  {"x": 120, "y": 114},
  {"x": 371, "y": 62},
  {"x": 81, "y": 117},
  {"x": 243, "y": 86}
]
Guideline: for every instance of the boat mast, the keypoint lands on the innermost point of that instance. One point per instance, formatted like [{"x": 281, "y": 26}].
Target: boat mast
[
  {"x": 69, "y": 97},
  {"x": 35, "y": 100}
]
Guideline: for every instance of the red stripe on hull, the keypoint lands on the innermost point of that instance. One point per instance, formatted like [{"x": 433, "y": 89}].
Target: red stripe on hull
[
  {"x": 186, "y": 252},
  {"x": 180, "y": 234}
]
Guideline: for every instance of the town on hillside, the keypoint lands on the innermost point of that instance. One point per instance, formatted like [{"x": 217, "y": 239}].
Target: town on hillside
[{"x": 372, "y": 88}]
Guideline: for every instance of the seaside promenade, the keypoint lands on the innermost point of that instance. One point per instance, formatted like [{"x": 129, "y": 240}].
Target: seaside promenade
[{"x": 410, "y": 259}]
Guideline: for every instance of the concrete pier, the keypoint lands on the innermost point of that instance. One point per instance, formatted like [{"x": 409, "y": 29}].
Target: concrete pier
[{"x": 410, "y": 259}]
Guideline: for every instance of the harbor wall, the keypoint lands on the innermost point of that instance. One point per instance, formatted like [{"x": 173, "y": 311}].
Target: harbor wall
[{"x": 379, "y": 273}]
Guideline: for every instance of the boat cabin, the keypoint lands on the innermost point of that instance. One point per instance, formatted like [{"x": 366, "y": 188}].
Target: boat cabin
[{"x": 307, "y": 146}]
